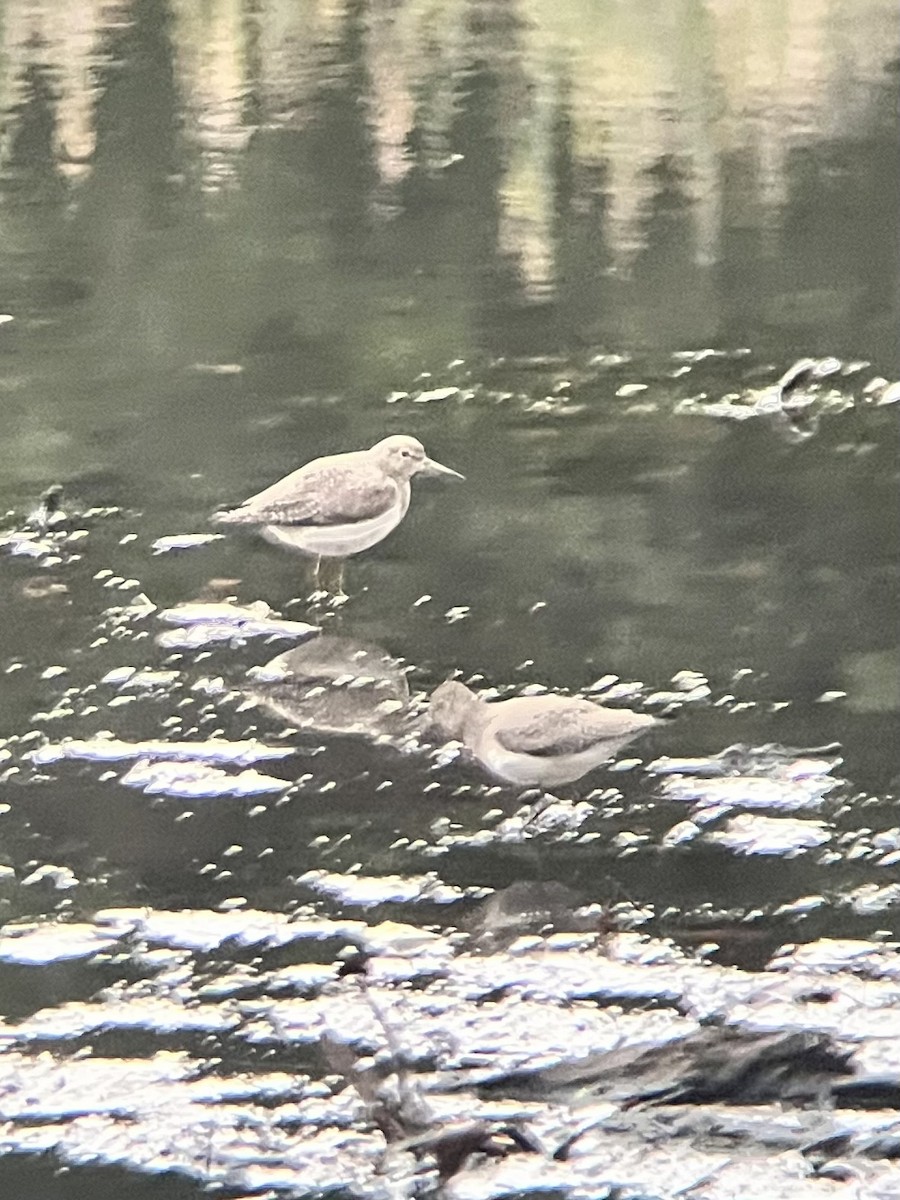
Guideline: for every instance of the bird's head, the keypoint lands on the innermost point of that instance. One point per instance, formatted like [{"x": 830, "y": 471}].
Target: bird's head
[
  {"x": 403, "y": 456},
  {"x": 450, "y": 706}
]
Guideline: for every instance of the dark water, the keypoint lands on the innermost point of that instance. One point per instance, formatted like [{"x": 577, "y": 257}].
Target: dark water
[{"x": 568, "y": 246}]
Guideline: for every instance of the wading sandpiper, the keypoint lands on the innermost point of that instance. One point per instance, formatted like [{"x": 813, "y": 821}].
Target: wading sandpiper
[
  {"x": 340, "y": 504},
  {"x": 534, "y": 741}
]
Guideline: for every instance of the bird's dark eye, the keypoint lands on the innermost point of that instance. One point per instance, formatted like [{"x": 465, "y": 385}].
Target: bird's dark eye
[{"x": 406, "y": 453}]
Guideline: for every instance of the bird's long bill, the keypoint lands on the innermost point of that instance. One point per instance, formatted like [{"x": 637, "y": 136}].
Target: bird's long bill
[{"x": 430, "y": 467}]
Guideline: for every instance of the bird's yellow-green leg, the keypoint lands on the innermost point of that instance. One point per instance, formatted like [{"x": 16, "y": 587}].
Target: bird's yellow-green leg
[
  {"x": 330, "y": 577},
  {"x": 317, "y": 574}
]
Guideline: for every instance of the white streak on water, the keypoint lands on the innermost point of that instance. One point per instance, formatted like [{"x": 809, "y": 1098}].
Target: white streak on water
[{"x": 101, "y": 749}]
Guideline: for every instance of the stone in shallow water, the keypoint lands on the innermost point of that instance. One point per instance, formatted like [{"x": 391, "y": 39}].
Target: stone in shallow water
[
  {"x": 196, "y": 780},
  {"x": 192, "y": 929},
  {"x": 105, "y": 749},
  {"x": 875, "y": 960},
  {"x": 201, "y": 623},
  {"x": 383, "y": 889},
  {"x": 744, "y": 791},
  {"x": 750, "y": 833},
  {"x": 53, "y": 942},
  {"x": 184, "y": 541}
]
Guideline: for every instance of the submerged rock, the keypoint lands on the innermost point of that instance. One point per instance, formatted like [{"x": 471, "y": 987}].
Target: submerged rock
[{"x": 202, "y": 623}]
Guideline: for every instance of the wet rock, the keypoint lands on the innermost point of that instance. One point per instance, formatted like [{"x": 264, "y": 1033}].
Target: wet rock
[
  {"x": 750, "y": 833},
  {"x": 108, "y": 749},
  {"x": 184, "y": 541},
  {"x": 197, "y": 780},
  {"x": 368, "y": 891},
  {"x": 204, "y": 623}
]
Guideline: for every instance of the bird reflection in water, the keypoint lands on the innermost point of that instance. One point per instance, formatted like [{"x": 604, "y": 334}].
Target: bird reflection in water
[{"x": 337, "y": 685}]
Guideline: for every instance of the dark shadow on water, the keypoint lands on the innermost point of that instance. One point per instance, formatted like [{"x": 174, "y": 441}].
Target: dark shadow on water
[
  {"x": 139, "y": 160},
  {"x": 44, "y": 1176},
  {"x": 344, "y": 182},
  {"x": 31, "y": 173}
]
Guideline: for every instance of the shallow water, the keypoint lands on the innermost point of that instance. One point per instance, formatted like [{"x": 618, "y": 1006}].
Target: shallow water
[{"x": 573, "y": 249}]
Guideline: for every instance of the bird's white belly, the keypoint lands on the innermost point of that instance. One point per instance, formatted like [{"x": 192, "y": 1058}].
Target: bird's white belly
[
  {"x": 531, "y": 770},
  {"x": 336, "y": 541}
]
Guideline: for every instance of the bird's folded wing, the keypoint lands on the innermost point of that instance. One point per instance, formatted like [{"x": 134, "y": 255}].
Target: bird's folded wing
[
  {"x": 326, "y": 494},
  {"x": 570, "y": 730}
]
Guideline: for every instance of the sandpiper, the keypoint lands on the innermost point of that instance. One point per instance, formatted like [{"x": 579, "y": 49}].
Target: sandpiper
[
  {"x": 340, "y": 504},
  {"x": 534, "y": 741}
]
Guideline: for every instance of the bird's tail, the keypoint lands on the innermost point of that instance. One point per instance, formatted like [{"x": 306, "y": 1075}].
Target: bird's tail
[{"x": 229, "y": 516}]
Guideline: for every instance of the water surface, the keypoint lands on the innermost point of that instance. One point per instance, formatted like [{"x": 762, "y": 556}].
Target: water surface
[{"x": 572, "y": 248}]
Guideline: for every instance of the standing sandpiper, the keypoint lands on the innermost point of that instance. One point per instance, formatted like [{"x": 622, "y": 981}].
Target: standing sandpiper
[{"x": 340, "y": 504}]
